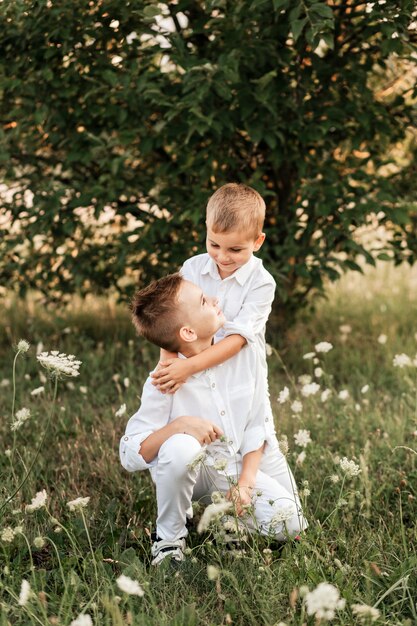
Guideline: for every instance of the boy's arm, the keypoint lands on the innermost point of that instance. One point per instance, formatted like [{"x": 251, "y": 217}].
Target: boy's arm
[
  {"x": 241, "y": 493},
  {"x": 201, "y": 429},
  {"x": 254, "y": 312},
  {"x": 174, "y": 373}
]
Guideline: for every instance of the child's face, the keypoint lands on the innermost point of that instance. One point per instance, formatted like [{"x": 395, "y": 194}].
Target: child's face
[
  {"x": 200, "y": 312},
  {"x": 231, "y": 250}
]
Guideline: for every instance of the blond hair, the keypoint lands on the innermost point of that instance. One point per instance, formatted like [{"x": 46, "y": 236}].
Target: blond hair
[
  {"x": 236, "y": 207},
  {"x": 155, "y": 312}
]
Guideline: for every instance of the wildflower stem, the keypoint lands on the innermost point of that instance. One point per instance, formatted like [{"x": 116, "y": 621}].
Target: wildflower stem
[
  {"x": 14, "y": 384},
  {"x": 18, "y": 488},
  {"x": 91, "y": 547}
]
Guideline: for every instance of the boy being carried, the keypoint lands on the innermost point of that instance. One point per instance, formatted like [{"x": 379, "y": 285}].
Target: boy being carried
[{"x": 222, "y": 408}]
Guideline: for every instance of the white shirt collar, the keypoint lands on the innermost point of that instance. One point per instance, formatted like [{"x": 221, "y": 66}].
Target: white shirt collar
[{"x": 241, "y": 275}]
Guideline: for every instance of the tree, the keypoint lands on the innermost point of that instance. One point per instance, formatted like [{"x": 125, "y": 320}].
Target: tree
[{"x": 119, "y": 119}]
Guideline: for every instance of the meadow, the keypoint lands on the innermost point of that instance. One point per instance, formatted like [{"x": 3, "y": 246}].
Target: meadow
[{"x": 357, "y": 399}]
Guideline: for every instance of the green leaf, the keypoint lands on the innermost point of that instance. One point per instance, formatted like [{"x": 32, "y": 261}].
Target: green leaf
[{"x": 297, "y": 27}]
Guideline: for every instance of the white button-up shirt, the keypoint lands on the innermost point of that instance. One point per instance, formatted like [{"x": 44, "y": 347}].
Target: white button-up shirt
[
  {"x": 245, "y": 298},
  {"x": 229, "y": 395}
]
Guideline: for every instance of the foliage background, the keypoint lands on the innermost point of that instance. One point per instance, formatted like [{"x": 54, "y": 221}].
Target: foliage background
[{"x": 119, "y": 119}]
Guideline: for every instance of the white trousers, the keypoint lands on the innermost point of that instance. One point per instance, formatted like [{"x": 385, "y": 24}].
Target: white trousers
[{"x": 276, "y": 505}]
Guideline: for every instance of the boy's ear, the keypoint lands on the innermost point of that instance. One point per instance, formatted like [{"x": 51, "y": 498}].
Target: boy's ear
[
  {"x": 187, "y": 334},
  {"x": 259, "y": 242}
]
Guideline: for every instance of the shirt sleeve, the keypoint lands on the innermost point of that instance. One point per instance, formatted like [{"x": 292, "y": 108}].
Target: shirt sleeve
[
  {"x": 257, "y": 430},
  {"x": 253, "y": 313},
  {"x": 187, "y": 271},
  {"x": 153, "y": 414}
]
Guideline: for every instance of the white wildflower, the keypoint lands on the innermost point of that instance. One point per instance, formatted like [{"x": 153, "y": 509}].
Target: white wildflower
[
  {"x": 198, "y": 460},
  {"x": 39, "y": 347},
  {"x": 59, "y": 364},
  {"x": 324, "y": 601},
  {"x": 78, "y": 503},
  {"x": 5, "y": 382},
  {"x": 8, "y": 453},
  {"x": 283, "y": 445},
  {"x": 365, "y": 389},
  {"x": 300, "y": 458},
  {"x": 7, "y": 534},
  {"x": 18, "y": 529},
  {"x": 23, "y": 346},
  {"x": 24, "y": 594},
  {"x": 309, "y": 355},
  {"x": 83, "y": 389},
  {"x": 382, "y": 339},
  {"x": 126, "y": 382},
  {"x": 304, "y": 379},
  {"x": 213, "y": 573},
  {"x": 83, "y": 619},
  {"x": 318, "y": 372},
  {"x": 211, "y": 513},
  {"x": 37, "y": 391},
  {"x": 217, "y": 496},
  {"x": 220, "y": 465},
  {"x": 334, "y": 478},
  {"x": 284, "y": 395},
  {"x": 305, "y": 492},
  {"x": 302, "y": 438},
  {"x": 121, "y": 410},
  {"x": 365, "y": 612},
  {"x": 401, "y": 360},
  {"x": 21, "y": 417},
  {"x": 325, "y": 395},
  {"x": 282, "y": 515},
  {"x": 39, "y": 542},
  {"x": 323, "y": 346},
  {"x": 37, "y": 502},
  {"x": 350, "y": 468},
  {"x": 345, "y": 329},
  {"x": 268, "y": 349},
  {"x": 343, "y": 394},
  {"x": 310, "y": 389},
  {"x": 129, "y": 586},
  {"x": 296, "y": 406}
]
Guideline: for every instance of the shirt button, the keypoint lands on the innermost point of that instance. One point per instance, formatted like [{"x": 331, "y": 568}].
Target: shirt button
[
  {"x": 267, "y": 419},
  {"x": 213, "y": 385},
  {"x": 222, "y": 412},
  {"x": 126, "y": 438}
]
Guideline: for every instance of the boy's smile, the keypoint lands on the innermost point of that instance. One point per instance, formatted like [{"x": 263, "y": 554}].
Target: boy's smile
[{"x": 231, "y": 250}]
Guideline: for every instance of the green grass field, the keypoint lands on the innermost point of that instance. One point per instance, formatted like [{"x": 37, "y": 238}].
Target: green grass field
[{"x": 362, "y": 534}]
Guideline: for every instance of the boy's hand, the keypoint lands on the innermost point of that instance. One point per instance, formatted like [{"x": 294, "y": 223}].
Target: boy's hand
[
  {"x": 203, "y": 430},
  {"x": 170, "y": 375},
  {"x": 241, "y": 497}
]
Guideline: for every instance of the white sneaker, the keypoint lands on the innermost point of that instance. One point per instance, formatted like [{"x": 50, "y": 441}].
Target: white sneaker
[{"x": 162, "y": 549}]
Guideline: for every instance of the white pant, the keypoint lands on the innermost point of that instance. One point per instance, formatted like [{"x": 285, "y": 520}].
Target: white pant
[{"x": 177, "y": 485}]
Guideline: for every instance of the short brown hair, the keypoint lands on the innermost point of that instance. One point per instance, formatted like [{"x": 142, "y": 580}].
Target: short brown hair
[
  {"x": 236, "y": 207},
  {"x": 154, "y": 312}
]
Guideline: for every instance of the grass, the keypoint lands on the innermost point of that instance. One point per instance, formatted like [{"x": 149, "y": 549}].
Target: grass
[{"x": 362, "y": 535}]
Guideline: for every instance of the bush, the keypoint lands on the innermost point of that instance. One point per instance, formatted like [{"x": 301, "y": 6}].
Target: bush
[{"x": 121, "y": 118}]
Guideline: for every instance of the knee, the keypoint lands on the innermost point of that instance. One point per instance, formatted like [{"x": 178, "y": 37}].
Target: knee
[
  {"x": 285, "y": 521},
  {"x": 179, "y": 452}
]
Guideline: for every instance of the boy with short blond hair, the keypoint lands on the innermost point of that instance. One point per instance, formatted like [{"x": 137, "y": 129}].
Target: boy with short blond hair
[
  {"x": 236, "y": 207},
  {"x": 230, "y": 271}
]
